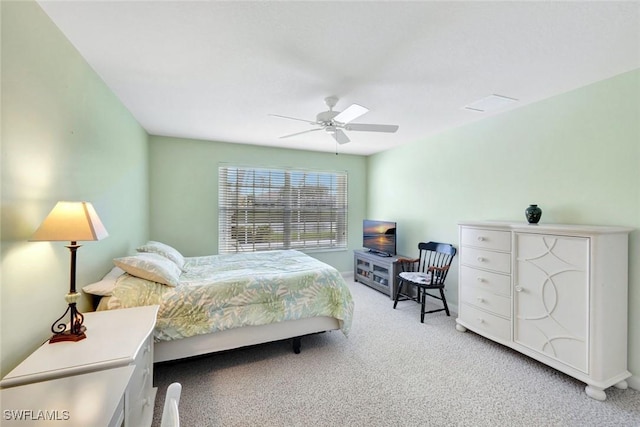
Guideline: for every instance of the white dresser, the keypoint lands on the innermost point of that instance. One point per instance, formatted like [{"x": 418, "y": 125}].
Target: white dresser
[
  {"x": 93, "y": 399},
  {"x": 557, "y": 293},
  {"x": 115, "y": 338}
]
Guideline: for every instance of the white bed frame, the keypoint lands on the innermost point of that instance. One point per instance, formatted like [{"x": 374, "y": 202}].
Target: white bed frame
[{"x": 241, "y": 337}]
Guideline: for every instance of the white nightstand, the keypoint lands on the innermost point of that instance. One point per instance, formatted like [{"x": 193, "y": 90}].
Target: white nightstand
[
  {"x": 93, "y": 399},
  {"x": 115, "y": 338}
]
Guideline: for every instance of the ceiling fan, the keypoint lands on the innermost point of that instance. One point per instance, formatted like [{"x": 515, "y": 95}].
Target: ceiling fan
[{"x": 336, "y": 122}]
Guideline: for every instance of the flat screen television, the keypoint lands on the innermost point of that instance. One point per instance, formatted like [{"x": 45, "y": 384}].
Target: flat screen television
[{"x": 379, "y": 237}]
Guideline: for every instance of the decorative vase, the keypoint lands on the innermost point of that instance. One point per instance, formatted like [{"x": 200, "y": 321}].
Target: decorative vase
[{"x": 533, "y": 214}]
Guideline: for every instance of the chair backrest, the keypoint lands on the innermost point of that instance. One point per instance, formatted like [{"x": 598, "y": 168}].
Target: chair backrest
[
  {"x": 170, "y": 413},
  {"x": 434, "y": 254}
]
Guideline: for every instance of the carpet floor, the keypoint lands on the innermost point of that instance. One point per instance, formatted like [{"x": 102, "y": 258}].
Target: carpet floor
[{"x": 390, "y": 371}]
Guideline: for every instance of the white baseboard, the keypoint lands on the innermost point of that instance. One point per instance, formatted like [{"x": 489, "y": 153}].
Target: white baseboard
[{"x": 634, "y": 382}]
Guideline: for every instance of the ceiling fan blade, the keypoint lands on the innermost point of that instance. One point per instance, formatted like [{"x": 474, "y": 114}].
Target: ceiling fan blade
[
  {"x": 294, "y": 118},
  {"x": 340, "y": 136},
  {"x": 351, "y": 113},
  {"x": 300, "y": 133},
  {"x": 371, "y": 127}
]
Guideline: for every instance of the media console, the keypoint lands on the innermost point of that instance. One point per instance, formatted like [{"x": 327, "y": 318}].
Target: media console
[{"x": 379, "y": 272}]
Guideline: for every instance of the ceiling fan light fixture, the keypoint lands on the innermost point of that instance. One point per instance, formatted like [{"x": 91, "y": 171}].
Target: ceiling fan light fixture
[{"x": 351, "y": 113}]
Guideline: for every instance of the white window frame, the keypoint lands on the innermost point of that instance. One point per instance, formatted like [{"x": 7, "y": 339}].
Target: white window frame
[{"x": 263, "y": 208}]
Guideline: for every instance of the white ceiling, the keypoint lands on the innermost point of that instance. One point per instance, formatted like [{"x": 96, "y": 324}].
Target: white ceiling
[{"x": 215, "y": 70}]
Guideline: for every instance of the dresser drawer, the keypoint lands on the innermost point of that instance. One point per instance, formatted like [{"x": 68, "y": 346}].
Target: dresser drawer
[
  {"x": 486, "y": 239},
  {"x": 496, "y": 261},
  {"x": 485, "y": 323},
  {"x": 143, "y": 369},
  {"x": 140, "y": 410},
  {"x": 488, "y": 301},
  {"x": 141, "y": 394},
  {"x": 485, "y": 280}
]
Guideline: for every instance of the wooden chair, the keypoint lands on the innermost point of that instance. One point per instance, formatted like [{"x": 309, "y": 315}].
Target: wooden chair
[
  {"x": 427, "y": 272},
  {"x": 170, "y": 413}
]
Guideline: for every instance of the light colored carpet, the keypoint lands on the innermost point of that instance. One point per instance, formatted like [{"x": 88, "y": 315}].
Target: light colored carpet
[{"x": 390, "y": 371}]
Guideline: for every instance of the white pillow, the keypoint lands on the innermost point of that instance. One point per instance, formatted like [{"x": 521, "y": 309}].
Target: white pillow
[
  {"x": 164, "y": 250},
  {"x": 152, "y": 267},
  {"x": 105, "y": 286}
]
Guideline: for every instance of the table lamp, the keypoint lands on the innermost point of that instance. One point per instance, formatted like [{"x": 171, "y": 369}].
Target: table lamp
[{"x": 70, "y": 221}]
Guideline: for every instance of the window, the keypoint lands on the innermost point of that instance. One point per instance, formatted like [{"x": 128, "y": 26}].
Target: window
[{"x": 263, "y": 209}]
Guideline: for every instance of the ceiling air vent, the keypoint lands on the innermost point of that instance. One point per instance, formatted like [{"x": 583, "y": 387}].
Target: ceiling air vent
[{"x": 490, "y": 103}]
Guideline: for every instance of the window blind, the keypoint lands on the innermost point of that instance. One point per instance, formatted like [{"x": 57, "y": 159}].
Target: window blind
[{"x": 266, "y": 209}]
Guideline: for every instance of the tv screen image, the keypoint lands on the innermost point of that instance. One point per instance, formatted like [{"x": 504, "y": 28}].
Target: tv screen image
[{"x": 379, "y": 236}]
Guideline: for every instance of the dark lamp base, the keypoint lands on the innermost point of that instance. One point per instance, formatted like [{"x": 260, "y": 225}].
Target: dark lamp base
[{"x": 68, "y": 336}]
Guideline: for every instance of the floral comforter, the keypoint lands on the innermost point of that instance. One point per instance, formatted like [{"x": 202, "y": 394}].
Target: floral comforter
[{"x": 221, "y": 292}]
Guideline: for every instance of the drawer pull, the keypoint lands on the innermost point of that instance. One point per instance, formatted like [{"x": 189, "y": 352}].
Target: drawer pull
[
  {"x": 481, "y": 239},
  {"x": 519, "y": 288},
  {"x": 146, "y": 402},
  {"x": 146, "y": 349},
  {"x": 481, "y": 259},
  {"x": 481, "y": 279},
  {"x": 480, "y": 319},
  {"x": 480, "y": 299}
]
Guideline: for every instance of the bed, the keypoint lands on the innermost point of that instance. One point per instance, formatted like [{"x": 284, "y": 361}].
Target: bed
[{"x": 222, "y": 302}]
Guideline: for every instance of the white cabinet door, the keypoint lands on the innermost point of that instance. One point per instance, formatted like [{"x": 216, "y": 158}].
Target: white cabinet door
[{"x": 551, "y": 298}]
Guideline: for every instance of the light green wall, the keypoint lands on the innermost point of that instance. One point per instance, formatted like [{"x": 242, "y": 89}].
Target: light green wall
[
  {"x": 65, "y": 136},
  {"x": 184, "y": 190},
  {"x": 576, "y": 155}
]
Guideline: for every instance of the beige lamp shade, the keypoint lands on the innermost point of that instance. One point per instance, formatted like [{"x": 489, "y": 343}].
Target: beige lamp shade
[{"x": 71, "y": 221}]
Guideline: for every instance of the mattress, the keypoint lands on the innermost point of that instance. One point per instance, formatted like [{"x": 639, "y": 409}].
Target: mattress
[{"x": 221, "y": 292}]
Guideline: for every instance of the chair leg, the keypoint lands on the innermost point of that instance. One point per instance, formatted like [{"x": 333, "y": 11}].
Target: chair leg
[
  {"x": 422, "y": 309},
  {"x": 444, "y": 301},
  {"x": 395, "y": 301}
]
